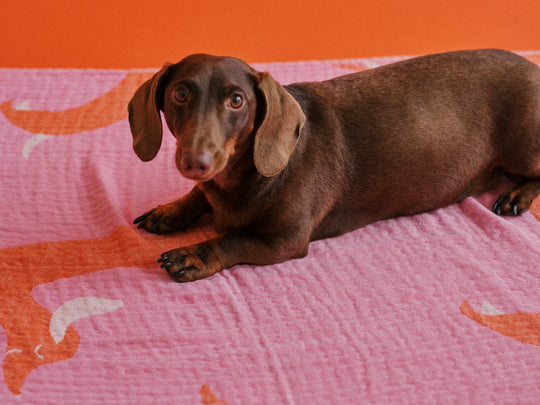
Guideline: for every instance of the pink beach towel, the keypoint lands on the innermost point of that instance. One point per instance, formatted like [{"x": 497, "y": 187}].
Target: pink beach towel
[{"x": 441, "y": 307}]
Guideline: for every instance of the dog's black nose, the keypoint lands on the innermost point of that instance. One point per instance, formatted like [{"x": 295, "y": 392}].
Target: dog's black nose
[{"x": 196, "y": 165}]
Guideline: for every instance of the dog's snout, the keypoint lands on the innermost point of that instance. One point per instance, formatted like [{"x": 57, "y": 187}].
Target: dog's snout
[{"x": 196, "y": 165}]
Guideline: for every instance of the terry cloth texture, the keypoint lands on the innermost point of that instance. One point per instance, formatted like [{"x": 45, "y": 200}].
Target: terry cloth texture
[{"x": 440, "y": 307}]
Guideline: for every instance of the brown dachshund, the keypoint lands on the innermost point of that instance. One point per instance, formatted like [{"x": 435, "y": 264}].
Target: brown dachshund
[{"x": 280, "y": 166}]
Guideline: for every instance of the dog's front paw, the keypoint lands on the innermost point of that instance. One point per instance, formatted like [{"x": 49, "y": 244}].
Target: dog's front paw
[
  {"x": 164, "y": 219},
  {"x": 190, "y": 263}
]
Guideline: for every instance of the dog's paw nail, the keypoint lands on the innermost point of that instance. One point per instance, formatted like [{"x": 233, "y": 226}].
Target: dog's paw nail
[
  {"x": 178, "y": 275},
  {"x": 497, "y": 208},
  {"x": 515, "y": 209},
  {"x": 163, "y": 259},
  {"x": 166, "y": 265}
]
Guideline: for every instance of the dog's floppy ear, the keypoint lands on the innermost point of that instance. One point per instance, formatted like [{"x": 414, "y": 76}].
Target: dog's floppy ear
[
  {"x": 145, "y": 118},
  {"x": 280, "y": 124}
]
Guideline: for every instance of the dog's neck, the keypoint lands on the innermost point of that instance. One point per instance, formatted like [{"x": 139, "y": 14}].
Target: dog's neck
[
  {"x": 236, "y": 174},
  {"x": 241, "y": 180}
]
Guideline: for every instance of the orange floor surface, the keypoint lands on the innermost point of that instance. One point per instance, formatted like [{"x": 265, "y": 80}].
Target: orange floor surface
[{"x": 140, "y": 34}]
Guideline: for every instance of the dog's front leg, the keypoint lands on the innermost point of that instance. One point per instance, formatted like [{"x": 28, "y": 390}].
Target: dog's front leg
[
  {"x": 177, "y": 215},
  {"x": 204, "y": 259}
]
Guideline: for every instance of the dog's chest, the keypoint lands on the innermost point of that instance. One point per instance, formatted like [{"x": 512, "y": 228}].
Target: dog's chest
[{"x": 231, "y": 211}]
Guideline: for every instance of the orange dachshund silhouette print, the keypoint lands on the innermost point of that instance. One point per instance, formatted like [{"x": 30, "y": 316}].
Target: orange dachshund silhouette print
[
  {"x": 521, "y": 326},
  {"x": 98, "y": 113},
  {"x": 533, "y": 58},
  {"x": 208, "y": 398},
  {"x": 35, "y": 336},
  {"x": 355, "y": 67}
]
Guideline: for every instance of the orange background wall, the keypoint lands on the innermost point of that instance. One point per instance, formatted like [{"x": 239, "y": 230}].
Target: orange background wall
[{"x": 138, "y": 33}]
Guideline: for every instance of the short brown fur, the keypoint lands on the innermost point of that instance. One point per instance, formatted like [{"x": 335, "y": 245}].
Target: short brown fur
[{"x": 279, "y": 166}]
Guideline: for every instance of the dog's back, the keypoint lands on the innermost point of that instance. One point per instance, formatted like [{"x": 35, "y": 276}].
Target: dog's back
[{"x": 422, "y": 133}]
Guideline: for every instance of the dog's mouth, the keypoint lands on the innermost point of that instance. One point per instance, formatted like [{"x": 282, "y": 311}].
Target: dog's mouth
[{"x": 196, "y": 177}]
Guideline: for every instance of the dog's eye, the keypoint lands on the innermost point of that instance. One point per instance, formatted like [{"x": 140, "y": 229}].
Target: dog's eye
[
  {"x": 181, "y": 95},
  {"x": 236, "y": 101}
]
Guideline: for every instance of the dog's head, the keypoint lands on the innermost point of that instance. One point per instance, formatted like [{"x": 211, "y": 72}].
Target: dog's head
[{"x": 210, "y": 104}]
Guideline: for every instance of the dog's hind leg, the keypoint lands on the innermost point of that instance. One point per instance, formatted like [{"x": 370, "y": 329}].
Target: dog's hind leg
[
  {"x": 522, "y": 160},
  {"x": 520, "y": 147},
  {"x": 525, "y": 163},
  {"x": 517, "y": 200}
]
